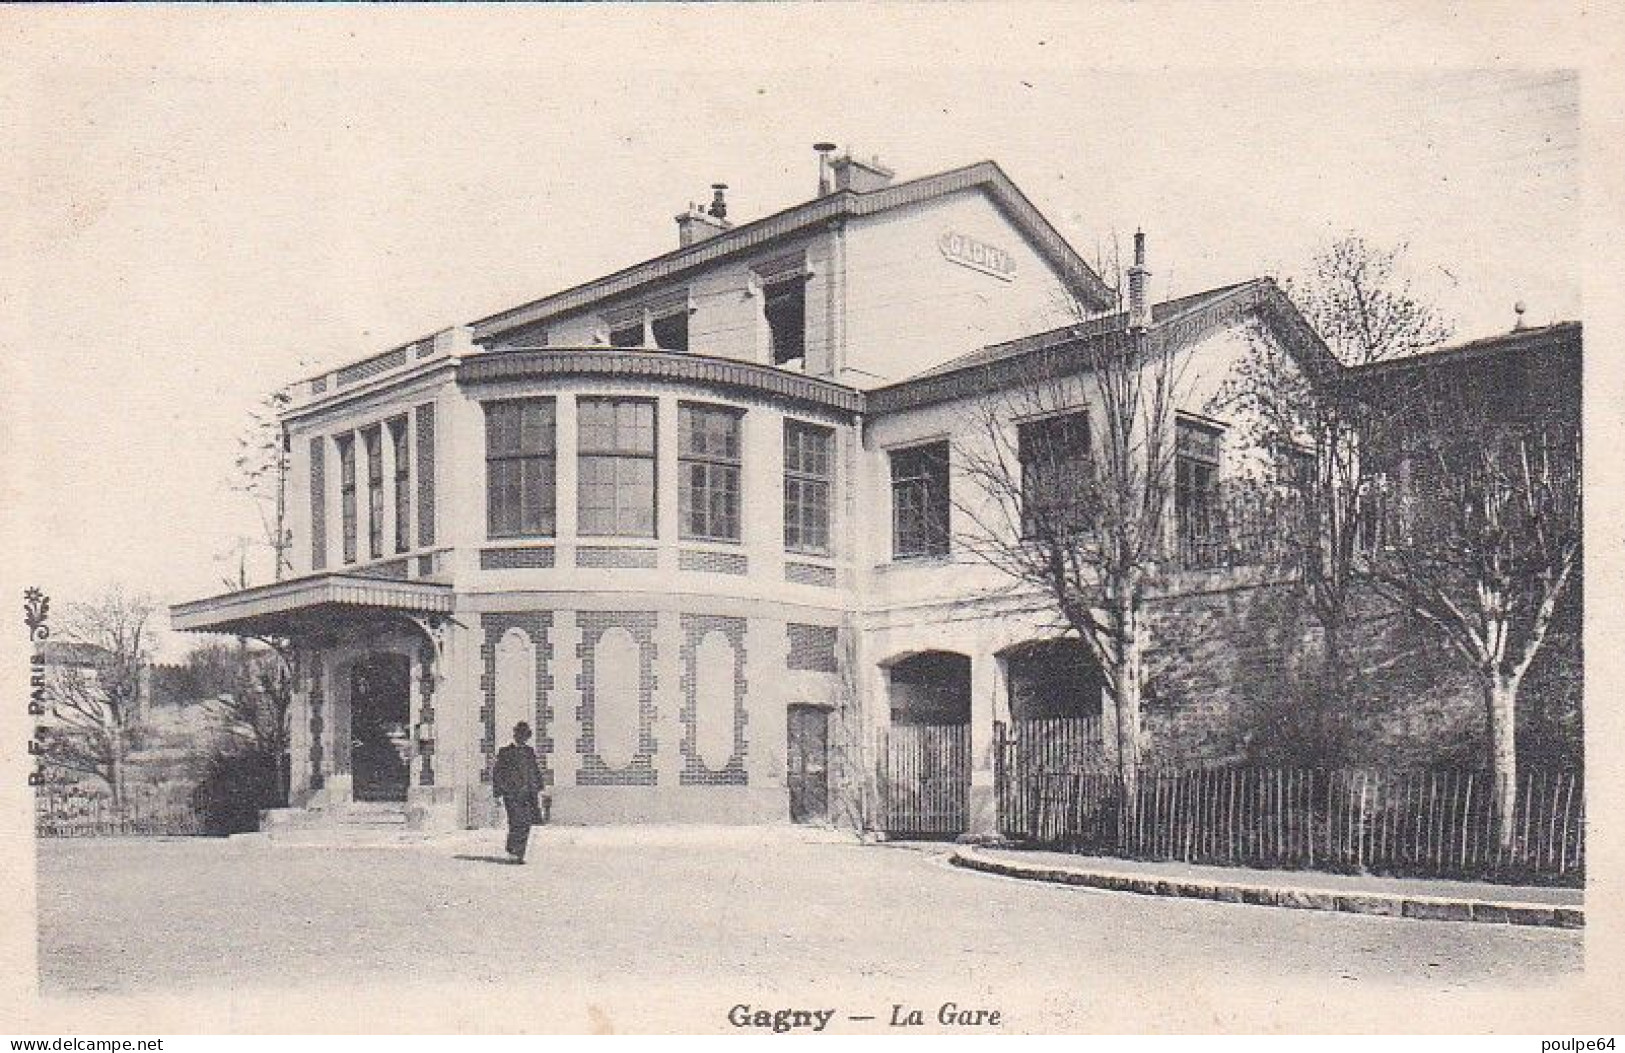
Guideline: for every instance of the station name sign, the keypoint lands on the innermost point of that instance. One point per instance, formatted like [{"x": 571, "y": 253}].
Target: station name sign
[{"x": 977, "y": 255}]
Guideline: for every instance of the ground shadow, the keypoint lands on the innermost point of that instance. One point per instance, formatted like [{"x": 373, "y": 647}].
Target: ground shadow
[{"x": 485, "y": 859}]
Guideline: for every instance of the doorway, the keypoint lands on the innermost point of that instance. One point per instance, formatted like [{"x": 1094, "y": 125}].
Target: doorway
[
  {"x": 380, "y": 739},
  {"x": 807, "y": 764}
]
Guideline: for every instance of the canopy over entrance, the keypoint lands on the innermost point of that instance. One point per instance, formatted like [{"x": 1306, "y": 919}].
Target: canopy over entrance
[{"x": 311, "y": 604}]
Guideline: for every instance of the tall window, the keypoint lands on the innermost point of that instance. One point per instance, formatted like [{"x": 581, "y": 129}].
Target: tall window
[
  {"x": 616, "y": 489},
  {"x": 373, "y": 440},
  {"x": 708, "y": 472},
  {"x": 347, "y": 507},
  {"x": 1196, "y": 485},
  {"x": 1055, "y": 475},
  {"x": 403, "y": 484},
  {"x": 808, "y": 468},
  {"x": 519, "y": 468},
  {"x": 919, "y": 500},
  {"x": 785, "y": 305}
]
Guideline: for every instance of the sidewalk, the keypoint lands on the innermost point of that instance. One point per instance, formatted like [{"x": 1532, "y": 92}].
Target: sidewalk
[
  {"x": 450, "y": 842},
  {"x": 1438, "y": 900}
]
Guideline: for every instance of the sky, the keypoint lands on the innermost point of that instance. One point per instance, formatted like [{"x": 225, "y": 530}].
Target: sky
[{"x": 196, "y": 230}]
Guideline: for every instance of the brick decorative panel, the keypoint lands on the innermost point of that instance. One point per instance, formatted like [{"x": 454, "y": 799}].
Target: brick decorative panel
[
  {"x": 426, "y": 711},
  {"x": 426, "y": 566},
  {"x": 356, "y": 372},
  {"x": 713, "y": 562},
  {"x": 516, "y": 558},
  {"x": 604, "y": 557},
  {"x": 318, "y": 385},
  {"x": 695, "y": 771},
  {"x": 812, "y": 647},
  {"x": 317, "y": 723},
  {"x": 393, "y": 570},
  {"x": 318, "y": 504},
  {"x": 640, "y": 770},
  {"x": 425, "y": 451},
  {"x": 536, "y": 625},
  {"x": 810, "y": 574}
]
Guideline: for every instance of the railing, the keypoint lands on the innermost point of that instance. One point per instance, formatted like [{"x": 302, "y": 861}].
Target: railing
[
  {"x": 1239, "y": 526},
  {"x": 1432, "y": 823},
  {"x": 79, "y": 814},
  {"x": 924, "y": 779},
  {"x": 1026, "y": 749}
]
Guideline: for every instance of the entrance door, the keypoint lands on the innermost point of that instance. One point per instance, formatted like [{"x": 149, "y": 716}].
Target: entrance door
[
  {"x": 807, "y": 764},
  {"x": 380, "y": 742}
]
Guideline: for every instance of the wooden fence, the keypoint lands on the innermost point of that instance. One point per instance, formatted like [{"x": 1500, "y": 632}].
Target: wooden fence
[
  {"x": 76, "y": 814},
  {"x": 924, "y": 779},
  {"x": 1435, "y": 823}
]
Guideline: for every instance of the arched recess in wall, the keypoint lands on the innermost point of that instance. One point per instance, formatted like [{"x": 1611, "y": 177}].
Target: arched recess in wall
[
  {"x": 929, "y": 687},
  {"x": 615, "y": 703},
  {"x": 714, "y": 703},
  {"x": 516, "y": 683},
  {"x": 1053, "y": 678}
]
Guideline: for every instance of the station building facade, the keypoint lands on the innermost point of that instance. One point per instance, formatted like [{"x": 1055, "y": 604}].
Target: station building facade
[{"x": 693, "y": 521}]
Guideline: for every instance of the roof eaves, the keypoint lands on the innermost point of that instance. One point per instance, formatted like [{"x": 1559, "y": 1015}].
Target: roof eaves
[{"x": 792, "y": 220}]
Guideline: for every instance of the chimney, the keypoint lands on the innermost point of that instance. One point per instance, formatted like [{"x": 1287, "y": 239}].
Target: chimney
[
  {"x": 826, "y": 181},
  {"x": 862, "y": 176},
  {"x": 1139, "y": 307},
  {"x": 698, "y": 224},
  {"x": 1518, "y": 309}
]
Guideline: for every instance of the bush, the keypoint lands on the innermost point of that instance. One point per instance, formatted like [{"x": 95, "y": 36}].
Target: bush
[{"x": 236, "y": 787}]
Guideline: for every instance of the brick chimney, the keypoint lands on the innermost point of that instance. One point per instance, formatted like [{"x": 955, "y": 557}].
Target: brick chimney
[
  {"x": 1139, "y": 302},
  {"x": 697, "y": 224},
  {"x": 849, "y": 173}
]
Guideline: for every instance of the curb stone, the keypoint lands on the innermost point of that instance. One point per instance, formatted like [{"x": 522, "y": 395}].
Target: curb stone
[{"x": 1431, "y": 908}]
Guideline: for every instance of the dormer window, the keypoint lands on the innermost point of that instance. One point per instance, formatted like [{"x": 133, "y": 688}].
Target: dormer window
[
  {"x": 783, "y": 285},
  {"x": 628, "y": 333},
  {"x": 671, "y": 331},
  {"x": 785, "y": 305}
]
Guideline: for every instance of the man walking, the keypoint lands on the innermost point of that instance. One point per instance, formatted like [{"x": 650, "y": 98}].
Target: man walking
[{"x": 517, "y": 779}]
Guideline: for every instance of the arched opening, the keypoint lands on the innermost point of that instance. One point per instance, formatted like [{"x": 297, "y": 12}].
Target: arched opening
[
  {"x": 932, "y": 688},
  {"x": 380, "y": 736},
  {"x": 1053, "y": 678},
  {"x": 925, "y": 766}
]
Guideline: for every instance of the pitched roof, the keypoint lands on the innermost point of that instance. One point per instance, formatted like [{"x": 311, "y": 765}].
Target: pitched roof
[
  {"x": 1105, "y": 323},
  {"x": 985, "y": 175},
  {"x": 1556, "y": 336},
  {"x": 1180, "y": 322}
]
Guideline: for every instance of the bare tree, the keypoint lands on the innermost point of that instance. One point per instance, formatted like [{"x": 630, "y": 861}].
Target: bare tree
[
  {"x": 1071, "y": 474},
  {"x": 1481, "y": 545},
  {"x": 96, "y": 696},
  {"x": 1357, "y": 299},
  {"x": 261, "y": 473}
]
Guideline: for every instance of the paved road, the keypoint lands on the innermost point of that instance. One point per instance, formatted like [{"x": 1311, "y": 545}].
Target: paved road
[{"x": 770, "y": 924}]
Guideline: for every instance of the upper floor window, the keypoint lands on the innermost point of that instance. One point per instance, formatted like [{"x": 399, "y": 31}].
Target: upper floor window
[
  {"x": 627, "y": 333},
  {"x": 1197, "y": 447},
  {"x": 708, "y": 471},
  {"x": 519, "y": 468},
  {"x": 919, "y": 498},
  {"x": 403, "y": 483},
  {"x": 808, "y": 468},
  {"x": 347, "y": 499},
  {"x": 670, "y": 329},
  {"x": 373, "y": 440},
  {"x": 1056, "y": 474},
  {"x": 616, "y": 485}
]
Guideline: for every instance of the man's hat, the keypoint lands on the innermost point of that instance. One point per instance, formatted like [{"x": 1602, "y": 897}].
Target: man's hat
[{"x": 521, "y": 730}]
